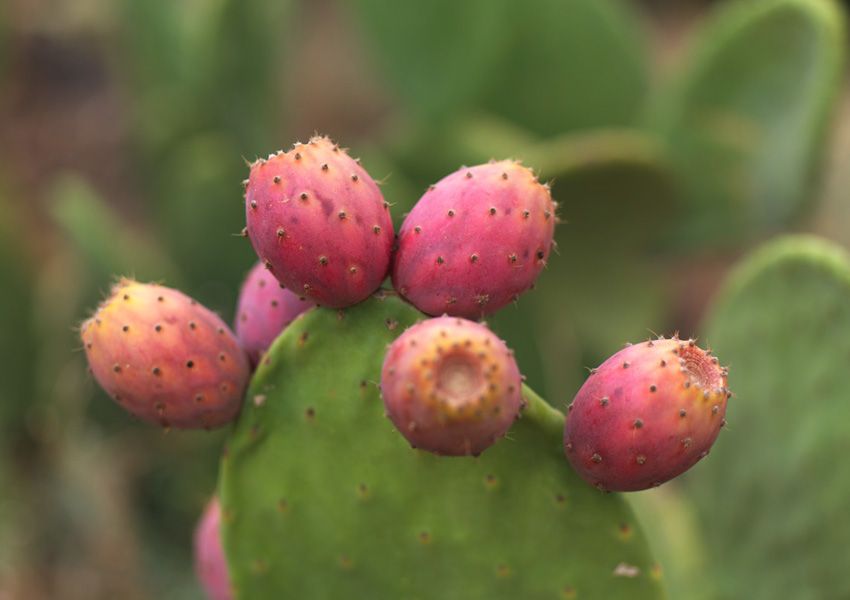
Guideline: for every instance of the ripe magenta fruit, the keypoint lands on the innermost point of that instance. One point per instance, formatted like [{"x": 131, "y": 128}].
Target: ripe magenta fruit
[
  {"x": 165, "y": 358},
  {"x": 475, "y": 241},
  {"x": 210, "y": 563},
  {"x": 451, "y": 386},
  {"x": 646, "y": 415},
  {"x": 319, "y": 223},
  {"x": 264, "y": 310}
]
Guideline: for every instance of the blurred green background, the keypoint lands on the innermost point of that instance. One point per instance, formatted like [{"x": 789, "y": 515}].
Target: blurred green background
[{"x": 680, "y": 135}]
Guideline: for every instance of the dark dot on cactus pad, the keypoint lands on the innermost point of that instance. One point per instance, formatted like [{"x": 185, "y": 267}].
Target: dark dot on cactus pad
[
  {"x": 199, "y": 398},
  {"x": 424, "y": 537},
  {"x": 156, "y": 371},
  {"x": 190, "y": 364},
  {"x": 157, "y": 327},
  {"x": 193, "y": 325},
  {"x": 354, "y": 178},
  {"x": 324, "y": 166},
  {"x": 638, "y": 423},
  {"x": 297, "y": 156},
  {"x": 116, "y": 368},
  {"x": 492, "y": 210},
  {"x": 276, "y": 179},
  {"x": 125, "y": 328},
  {"x": 310, "y": 412},
  {"x": 126, "y": 296}
]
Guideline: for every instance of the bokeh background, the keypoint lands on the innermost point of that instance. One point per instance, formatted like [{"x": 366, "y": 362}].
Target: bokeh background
[{"x": 679, "y": 135}]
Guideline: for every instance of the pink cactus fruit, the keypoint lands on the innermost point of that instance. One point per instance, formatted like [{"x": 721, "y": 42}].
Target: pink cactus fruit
[
  {"x": 264, "y": 309},
  {"x": 451, "y": 386},
  {"x": 210, "y": 563},
  {"x": 475, "y": 241},
  {"x": 165, "y": 358},
  {"x": 646, "y": 415},
  {"x": 319, "y": 223}
]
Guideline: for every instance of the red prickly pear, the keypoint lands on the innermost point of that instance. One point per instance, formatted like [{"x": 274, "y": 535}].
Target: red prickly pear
[
  {"x": 265, "y": 308},
  {"x": 451, "y": 386},
  {"x": 646, "y": 415},
  {"x": 165, "y": 358},
  {"x": 210, "y": 563},
  {"x": 319, "y": 223},
  {"x": 475, "y": 241}
]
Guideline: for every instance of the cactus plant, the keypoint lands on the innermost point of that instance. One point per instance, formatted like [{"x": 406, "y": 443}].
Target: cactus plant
[{"x": 364, "y": 515}]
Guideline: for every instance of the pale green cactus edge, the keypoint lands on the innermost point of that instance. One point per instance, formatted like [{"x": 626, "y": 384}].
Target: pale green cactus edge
[
  {"x": 772, "y": 498},
  {"x": 322, "y": 498},
  {"x": 747, "y": 121}
]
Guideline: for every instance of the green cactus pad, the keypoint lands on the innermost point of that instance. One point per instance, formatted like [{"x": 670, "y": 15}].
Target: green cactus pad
[
  {"x": 746, "y": 123},
  {"x": 772, "y": 498},
  {"x": 322, "y": 498},
  {"x": 525, "y": 61}
]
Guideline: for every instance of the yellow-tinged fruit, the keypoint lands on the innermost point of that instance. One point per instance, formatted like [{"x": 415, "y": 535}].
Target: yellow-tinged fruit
[
  {"x": 451, "y": 386},
  {"x": 165, "y": 358}
]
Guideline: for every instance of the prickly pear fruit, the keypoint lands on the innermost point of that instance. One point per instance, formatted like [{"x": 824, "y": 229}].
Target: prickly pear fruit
[
  {"x": 319, "y": 223},
  {"x": 210, "y": 563},
  {"x": 263, "y": 310},
  {"x": 475, "y": 241},
  {"x": 451, "y": 386},
  {"x": 165, "y": 358},
  {"x": 646, "y": 415}
]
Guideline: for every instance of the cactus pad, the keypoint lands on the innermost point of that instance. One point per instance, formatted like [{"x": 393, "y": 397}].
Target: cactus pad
[
  {"x": 772, "y": 498},
  {"x": 321, "y": 497}
]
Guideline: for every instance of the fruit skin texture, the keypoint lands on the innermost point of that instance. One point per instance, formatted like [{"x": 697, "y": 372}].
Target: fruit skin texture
[
  {"x": 210, "y": 563},
  {"x": 451, "y": 386},
  {"x": 319, "y": 223},
  {"x": 646, "y": 415},
  {"x": 475, "y": 241},
  {"x": 263, "y": 310},
  {"x": 165, "y": 358}
]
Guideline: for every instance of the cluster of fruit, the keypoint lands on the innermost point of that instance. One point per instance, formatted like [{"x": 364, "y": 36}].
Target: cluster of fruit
[{"x": 474, "y": 242}]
